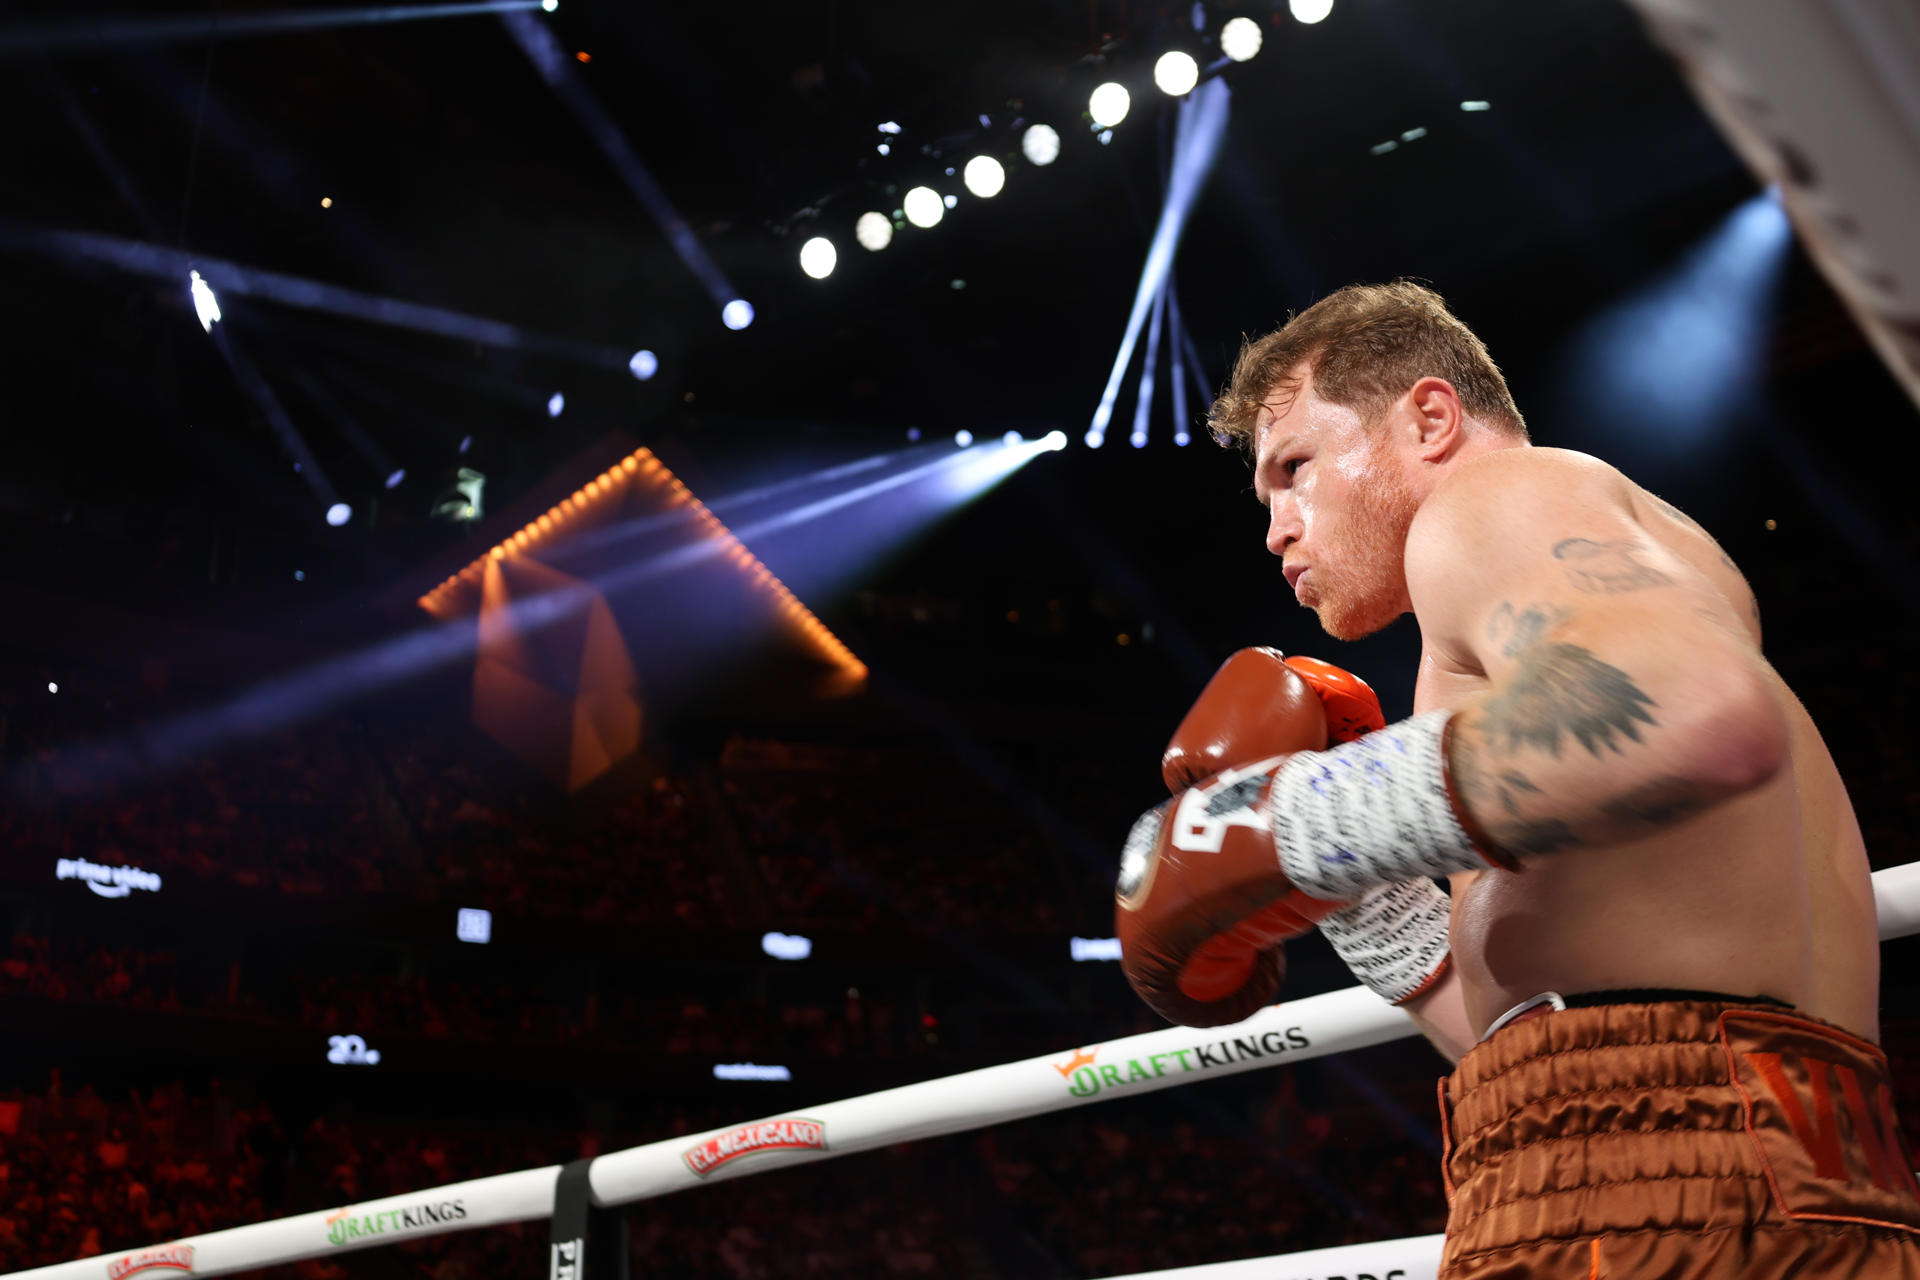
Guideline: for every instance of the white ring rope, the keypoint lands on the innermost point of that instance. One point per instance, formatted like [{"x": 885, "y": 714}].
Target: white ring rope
[{"x": 1338, "y": 1021}]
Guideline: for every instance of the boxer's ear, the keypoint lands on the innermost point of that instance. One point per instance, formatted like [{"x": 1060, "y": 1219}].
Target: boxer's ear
[{"x": 1436, "y": 418}]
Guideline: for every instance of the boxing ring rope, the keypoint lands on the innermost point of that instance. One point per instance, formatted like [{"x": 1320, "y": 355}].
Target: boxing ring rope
[{"x": 1313, "y": 1027}]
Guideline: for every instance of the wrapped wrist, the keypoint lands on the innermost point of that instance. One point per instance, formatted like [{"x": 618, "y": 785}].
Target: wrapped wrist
[
  {"x": 1394, "y": 939},
  {"x": 1378, "y": 810}
]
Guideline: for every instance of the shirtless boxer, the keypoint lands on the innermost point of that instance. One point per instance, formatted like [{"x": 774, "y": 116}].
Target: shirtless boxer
[{"x": 1658, "y": 967}]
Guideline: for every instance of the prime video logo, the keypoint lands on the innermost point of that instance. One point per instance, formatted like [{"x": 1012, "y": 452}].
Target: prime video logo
[{"x": 108, "y": 882}]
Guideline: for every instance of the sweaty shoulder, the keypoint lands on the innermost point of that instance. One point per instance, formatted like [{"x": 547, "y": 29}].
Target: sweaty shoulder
[{"x": 1496, "y": 515}]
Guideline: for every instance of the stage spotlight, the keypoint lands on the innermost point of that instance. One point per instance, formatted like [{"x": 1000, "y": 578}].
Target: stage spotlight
[
  {"x": 1139, "y": 439},
  {"x": 644, "y": 364},
  {"x": 984, "y": 176},
  {"x": 913, "y": 434},
  {"x": 1054, "y": 441},
  {"x": 396, "y": 477},
  {"x": 817, "y": 257},
  {"x": 1093, "y": 439},
  {"x": 1240, "y": 39},
  {"x": 923, "y": 207},
  {"x": 556, "y": 404},
  {"x": 1040, "y": 144},
  {"x": 549, "y": 5},
  {"x": 737, "y": 314},
  {"x": 1181, "y": 438},
  {"x": 1011, "y": 438},
  {"x": 874, "y": 231},
  {"x": 338, "y": 514},
  {"x": 52, "y": 687},
  {"x": 1310, "y": 11},
  {"x": 205, "y": 305},
  {"x": 1108, "y": 104},
  {"x": 1176, "y": 73},
  {"x": 963, "y": 437}
]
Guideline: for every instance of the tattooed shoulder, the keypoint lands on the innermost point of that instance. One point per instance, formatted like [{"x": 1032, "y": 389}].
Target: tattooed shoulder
[
  {"x": 1516, "y": 630},
  {"x": 1606, "y": 568}
]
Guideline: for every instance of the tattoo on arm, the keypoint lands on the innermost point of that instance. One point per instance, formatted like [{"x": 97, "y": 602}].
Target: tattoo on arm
[
  {"x": 1561, "y": 690},
  {"x": 1541, "y": 835},
  {"x": 1606, "y": 568},
  {"x": 1522, "y": 629}
]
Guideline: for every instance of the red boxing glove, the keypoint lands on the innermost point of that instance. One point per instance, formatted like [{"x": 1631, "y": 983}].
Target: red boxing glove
[
  {"x": 1203, "y": 906},
  {"x": 1254, "y": 707},
  {"x": 1352, "y": 707}
]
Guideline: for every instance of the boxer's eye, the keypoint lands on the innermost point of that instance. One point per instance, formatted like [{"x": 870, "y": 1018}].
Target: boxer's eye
[{"x": 1292, "y": 465}]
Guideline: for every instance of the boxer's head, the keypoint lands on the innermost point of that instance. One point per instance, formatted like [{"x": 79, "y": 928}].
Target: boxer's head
[{"x": 1353, "y": 412}]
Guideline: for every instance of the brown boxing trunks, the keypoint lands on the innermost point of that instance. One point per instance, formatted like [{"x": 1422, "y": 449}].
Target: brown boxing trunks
[{"x": 1676, "y": 1139}]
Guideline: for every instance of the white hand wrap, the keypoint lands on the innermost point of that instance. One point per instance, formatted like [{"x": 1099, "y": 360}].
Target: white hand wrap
[
  {"x": 1395, "y": 938},
  {"x": 1370, "y": 812}
]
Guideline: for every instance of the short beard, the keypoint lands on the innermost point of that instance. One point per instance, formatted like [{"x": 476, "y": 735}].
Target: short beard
[{"x": 1361, "y": 591}]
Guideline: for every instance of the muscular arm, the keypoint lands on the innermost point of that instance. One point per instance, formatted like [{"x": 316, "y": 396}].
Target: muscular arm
[{"x": 1620, "y": 700}]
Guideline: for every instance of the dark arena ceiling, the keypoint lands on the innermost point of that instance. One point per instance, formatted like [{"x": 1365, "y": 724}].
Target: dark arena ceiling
[{"x": 428, "y": 163}]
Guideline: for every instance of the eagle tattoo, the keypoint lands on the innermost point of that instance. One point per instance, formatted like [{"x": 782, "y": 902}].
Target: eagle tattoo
[{"x": 1561, "y": 690}]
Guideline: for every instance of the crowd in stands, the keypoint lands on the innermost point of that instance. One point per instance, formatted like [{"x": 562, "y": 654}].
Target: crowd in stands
[
  {"x": 733, "y": 1026},
  {"x": 767, "y": 834},
  {"x": 800, "y": 836},
  {"x": 1078, "y": 1193}
]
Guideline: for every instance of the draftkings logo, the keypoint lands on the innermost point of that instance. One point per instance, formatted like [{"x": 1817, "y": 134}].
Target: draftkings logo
[
  {"x": 175, "y": 1259},
  {"x": 769, "y": 1135},
  {"x": 1086, "y": 1075},
  {"x": 348, "y": 1225}
]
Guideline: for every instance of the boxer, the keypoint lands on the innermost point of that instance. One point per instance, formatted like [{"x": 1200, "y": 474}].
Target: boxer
[{"x": 1657, "y": 966}]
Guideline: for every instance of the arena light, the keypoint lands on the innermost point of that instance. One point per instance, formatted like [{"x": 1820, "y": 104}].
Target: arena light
[
  {"x": 396, "y": 477},
  {"x": 737, "y": 315},
  {"x": 338, "y": 514},
  {"x": 786, "y": 946},
  {"x": 473, "y": 924},
  {"x": 1108, "y": 104},
  {"x": 963, "y": 438},
  {"x": 1094, "y": 439},
  {"x": 1176, "y": 73},
  {"x": 923, "y": 207},
  {"x": 351, "y": 1051},
  {"x": 1094, "y": 948},
  {"x": 874, "y": 231},
  {"x": 643, "y": 364},
  {"x": 205, "y": 305},
  {"x": 549, "y": 5},
  {"x": 750, "y": 1071},
  {"x": 162, "y": 262},
  {"x": 818, "y": 256},
  {"x": 1040, "y": 144},
  {"x": 1054, "y": 441},
  {"x": 984, "y": 176},
  {"x": 556, "y": 404},
  {"x": 1241, "y": 39},
  {"x": 1690, "y": 347},
  {"x": 1198, "y": 135},
  {"x": 1011, "y": 438},
  {"x": 1310, "y": 11}
]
